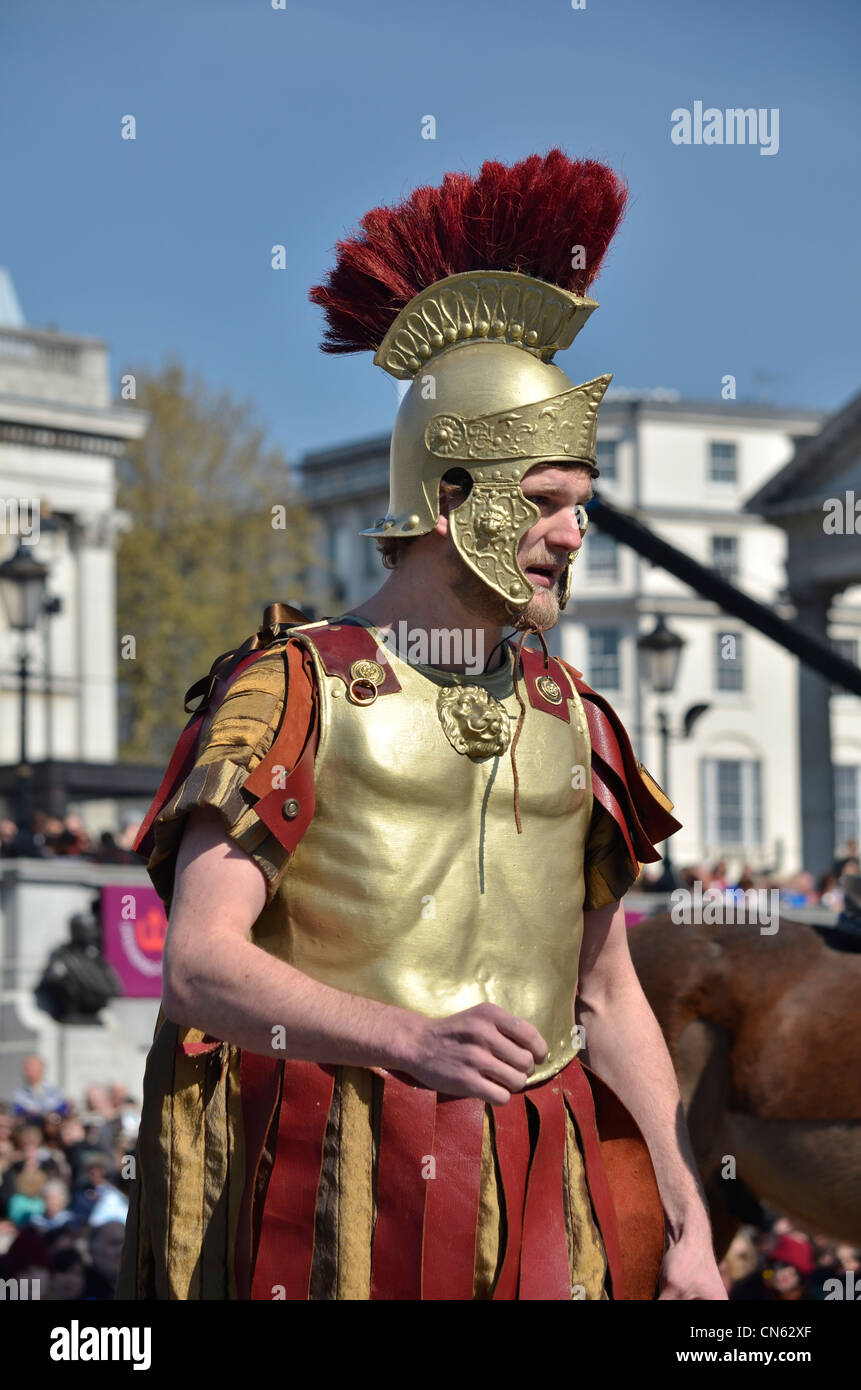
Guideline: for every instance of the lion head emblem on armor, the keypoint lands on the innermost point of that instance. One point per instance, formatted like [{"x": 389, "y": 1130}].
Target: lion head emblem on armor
[{"x": 474, "y": 722}]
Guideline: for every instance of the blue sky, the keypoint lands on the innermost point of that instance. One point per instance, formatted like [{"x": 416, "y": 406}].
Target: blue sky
[{"x": 258, "y": 126}]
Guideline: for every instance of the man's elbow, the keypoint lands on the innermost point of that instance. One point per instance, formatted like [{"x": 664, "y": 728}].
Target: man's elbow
[{"x": 178, "y": 997}]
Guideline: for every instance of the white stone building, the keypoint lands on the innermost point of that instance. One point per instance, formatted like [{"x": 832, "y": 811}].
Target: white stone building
[
  {"x": 685, "y": 469},
  {"x": 60, "y": 433}
]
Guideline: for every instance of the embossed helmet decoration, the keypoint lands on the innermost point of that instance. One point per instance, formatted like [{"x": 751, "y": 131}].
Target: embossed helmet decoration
[{"x": 467, "y": 290}]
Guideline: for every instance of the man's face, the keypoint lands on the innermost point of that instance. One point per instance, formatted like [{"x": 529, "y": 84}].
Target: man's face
[
  {"x": 544, "y": 550},
  {"x": 33, "y": 1069}
]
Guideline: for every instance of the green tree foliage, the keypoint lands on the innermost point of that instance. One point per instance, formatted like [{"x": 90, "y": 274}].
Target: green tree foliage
[{"x": 217, "y": 530}]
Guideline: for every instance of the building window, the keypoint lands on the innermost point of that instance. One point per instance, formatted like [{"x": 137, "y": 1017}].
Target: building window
[
  {"x": 847, "y": 805},
  {"x": 732, "y": 804},
  {"x": 604, "y": 658},
  {"x": 606, "y": 459},
  {"x": 729, "y": 663},
  {"x": 722, "y": 462},
  {"x": 725, "y": 557},
  {"x": 847, "y": 647},
  {"x": 602, "y": 555}
]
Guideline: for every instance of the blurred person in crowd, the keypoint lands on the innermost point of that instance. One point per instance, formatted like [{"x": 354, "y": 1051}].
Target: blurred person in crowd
[
  {"x": 108, "y": 851},
  {"x": 717, "y": 876},
  {"x": 73, "y": 1138},
  {"x": 37, "y": 1097},
  {"x": 785, "y": 1285},
  {"x": 794, "y": 1248},
  {"x": 51, "y": 1137},
  {"x": 96, "y": 1201},
  {"x": 26, "y": 1174},
  {"x": 740, "y": 1259},
  {"x": 26, "y": 1203},
  {"x": 130, "y": 823},
  {"x": 844, "y": 934},
  {"x": 56, "y": 1212},
  {"x": 798, "y": 891},
  {"x": 829, "y": 892},
  {"x": 67, "y": 1278},
  {"x": 106, "y": 1245},
  {"x": 99, "y": 1107},
  {"x": 125, "y": 1119},
  {"x": 746, "y": 882},
  {"x": 827, "y": 1267}
]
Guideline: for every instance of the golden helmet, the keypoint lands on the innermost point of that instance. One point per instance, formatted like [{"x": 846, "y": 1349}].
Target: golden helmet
[{"x": 477, "y": 344}]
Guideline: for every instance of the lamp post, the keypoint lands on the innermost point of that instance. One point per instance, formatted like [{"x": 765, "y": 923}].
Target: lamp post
[
  {"x": 22, "y": 584},
  {"x": 661, "y": 651}
]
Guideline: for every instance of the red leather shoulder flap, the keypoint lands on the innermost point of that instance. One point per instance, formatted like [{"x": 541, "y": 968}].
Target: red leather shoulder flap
[{"x": 618, "y": 780}]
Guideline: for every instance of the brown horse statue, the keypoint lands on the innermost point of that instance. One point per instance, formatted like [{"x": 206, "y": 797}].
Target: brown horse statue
[{"x": 764, "y": 1034}]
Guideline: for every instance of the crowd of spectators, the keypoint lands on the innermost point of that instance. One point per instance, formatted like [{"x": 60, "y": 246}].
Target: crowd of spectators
[
  {"x": 55, "y": 836},
  {"x": 796, "y": 890},
  {"x": 65, "y": 1175},
  {"x": 774, "y": 1262}
]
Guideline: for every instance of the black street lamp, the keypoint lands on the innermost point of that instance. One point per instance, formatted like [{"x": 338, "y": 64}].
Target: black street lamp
[
  {"x": 661, "y": 651},
  {"x": 22, "y": 584}
]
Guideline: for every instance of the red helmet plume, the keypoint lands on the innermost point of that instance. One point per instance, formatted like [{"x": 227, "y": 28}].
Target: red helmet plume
[{"x": 525, "y": 217}]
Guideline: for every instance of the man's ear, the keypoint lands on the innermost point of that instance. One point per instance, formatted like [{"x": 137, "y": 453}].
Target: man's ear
[{"x": 441, "y": 526}]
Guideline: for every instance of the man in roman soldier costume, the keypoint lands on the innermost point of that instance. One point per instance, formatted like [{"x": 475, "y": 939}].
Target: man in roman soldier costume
[{"x": 394, "y": 887}]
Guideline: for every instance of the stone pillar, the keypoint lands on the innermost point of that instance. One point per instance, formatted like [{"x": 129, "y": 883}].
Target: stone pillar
[
  {"x": 96, "y": 635},
  {"x": 816, "y": 775}
]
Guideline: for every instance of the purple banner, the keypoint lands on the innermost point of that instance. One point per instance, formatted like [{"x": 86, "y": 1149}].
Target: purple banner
[{"x": 134, "y": 927}]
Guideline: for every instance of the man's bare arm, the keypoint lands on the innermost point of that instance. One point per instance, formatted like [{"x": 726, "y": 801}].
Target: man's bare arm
[
  {"x": 217, "y": 980},
  {"x": 626, "y": 1048}
]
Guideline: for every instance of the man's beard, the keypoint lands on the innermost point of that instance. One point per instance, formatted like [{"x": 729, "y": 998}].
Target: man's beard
[{"x": 542, "y": 610}]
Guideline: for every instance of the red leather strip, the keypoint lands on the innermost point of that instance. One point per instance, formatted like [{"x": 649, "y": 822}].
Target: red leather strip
[
  {"x": 451, "y": 1208},
  {"x": 634, "y": 1188},
  {"x": 544, "y": 1261},
  {"x": 277, "y": 789},
  {"x": 299, "y": 788},
  {"x": 297, "y": 718},
  {"x": 260, "y": 1089},
  {"x": 286, "y": 1250},
  {"x": 533, "y": 668},
  {"x": 647, "y": 819},
  {"x": 579, "y": 1096},
  {"x": 340, "y": 644},
  {"x": 511, "y": 1129},
  {"x": 406, "y": 1142}
]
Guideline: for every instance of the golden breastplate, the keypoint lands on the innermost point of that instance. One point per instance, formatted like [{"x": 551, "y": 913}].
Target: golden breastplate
[{"x": 412, "y": 885}]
